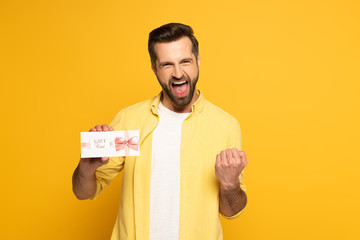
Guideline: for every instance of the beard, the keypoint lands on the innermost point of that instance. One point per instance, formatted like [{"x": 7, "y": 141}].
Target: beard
[{"x": 180, "y": 101}]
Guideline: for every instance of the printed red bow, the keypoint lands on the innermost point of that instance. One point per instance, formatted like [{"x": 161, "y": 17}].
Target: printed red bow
[{"x": 121, "y": 143}]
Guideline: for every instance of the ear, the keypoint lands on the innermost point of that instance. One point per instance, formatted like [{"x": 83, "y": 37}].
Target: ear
[
  {"x": 153, "y": 69},
  {"x": 198, "y": 60}
]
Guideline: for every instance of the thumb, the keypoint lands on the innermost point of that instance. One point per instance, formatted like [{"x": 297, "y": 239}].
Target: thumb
[{"x": 104, "y": 160}]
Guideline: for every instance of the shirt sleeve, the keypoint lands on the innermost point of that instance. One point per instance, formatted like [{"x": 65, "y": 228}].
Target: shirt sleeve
[
  {"x": 106, "y": 173},
  {"x": 235, "y": 141}
]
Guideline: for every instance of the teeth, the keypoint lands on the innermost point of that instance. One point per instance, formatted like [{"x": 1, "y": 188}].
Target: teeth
[{"x": 178, "y": 83}]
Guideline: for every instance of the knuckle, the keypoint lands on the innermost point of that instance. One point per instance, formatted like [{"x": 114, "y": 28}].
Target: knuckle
[{"x": 233, "y": 151}]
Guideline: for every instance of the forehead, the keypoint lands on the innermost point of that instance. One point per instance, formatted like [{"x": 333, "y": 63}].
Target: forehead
[{"x": 175, "y": 50}]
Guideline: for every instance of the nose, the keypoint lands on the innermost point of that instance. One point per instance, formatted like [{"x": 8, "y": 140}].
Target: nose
[{"x": 178, "y": 72}]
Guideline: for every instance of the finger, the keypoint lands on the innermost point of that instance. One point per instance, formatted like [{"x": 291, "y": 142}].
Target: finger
[
  {"x": 223, "y": 158},
  {"x": 98, "y": 128},
  {"x": 111, "y": 129},
  {"x": 105, "y": 128},
  {"x": 218, "y": 160},
  {"x": 243, "y": 158},
  {"x": 92, "y": 130},
  {"x": 229, "y": 156},
  {"x": 104, "y": 159},
  {"x": 236, "y": 156}
]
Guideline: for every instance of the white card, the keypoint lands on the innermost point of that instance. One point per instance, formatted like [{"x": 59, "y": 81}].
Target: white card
[{"x": 110, "y": 144}]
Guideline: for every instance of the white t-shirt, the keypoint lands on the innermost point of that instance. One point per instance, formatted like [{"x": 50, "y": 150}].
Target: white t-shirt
[{"x": 165, "y": 176}]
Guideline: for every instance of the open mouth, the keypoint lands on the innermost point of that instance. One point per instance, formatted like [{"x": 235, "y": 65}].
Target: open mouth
[{"x": 180, "y": 88}]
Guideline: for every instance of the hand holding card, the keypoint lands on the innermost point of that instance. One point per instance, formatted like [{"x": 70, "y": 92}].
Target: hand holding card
[
  {"x": 84, "y": 183},
  {"x": 89, "y": 165}
]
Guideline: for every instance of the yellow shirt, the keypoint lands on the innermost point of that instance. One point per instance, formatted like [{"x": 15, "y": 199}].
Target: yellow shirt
[{"x": 205, "y": 132}]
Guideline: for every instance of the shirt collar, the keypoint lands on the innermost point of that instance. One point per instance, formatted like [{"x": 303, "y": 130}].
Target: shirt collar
[{"x": 196, "y": 108}]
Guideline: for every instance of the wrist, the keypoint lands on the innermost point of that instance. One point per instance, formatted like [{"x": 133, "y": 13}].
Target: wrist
[
  {"x": 85, "y": 171},
  {"x": 230, "y": 186}
]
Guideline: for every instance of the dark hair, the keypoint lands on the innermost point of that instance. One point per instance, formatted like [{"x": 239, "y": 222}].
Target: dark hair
[{"x": 168, "y": 33}]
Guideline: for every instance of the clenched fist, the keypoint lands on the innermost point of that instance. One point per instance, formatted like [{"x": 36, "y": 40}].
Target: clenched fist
[{"x": 229, "y": 165}]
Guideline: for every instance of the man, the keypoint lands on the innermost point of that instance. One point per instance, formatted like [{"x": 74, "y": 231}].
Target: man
[{"x": 190, "y": 166}]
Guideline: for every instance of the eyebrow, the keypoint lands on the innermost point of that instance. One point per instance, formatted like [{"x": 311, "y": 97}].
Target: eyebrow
[{"x": 186, "y": 59}]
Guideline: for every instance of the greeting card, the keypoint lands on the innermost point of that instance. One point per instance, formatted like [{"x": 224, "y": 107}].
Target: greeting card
[{"x": 110, "y": 144}]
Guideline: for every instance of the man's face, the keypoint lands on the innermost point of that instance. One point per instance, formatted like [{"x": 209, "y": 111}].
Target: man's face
[{"x": 177, "y": 70}]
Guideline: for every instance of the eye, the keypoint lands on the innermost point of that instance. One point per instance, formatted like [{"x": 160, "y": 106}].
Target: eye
[{"x": 165, "y": 65}]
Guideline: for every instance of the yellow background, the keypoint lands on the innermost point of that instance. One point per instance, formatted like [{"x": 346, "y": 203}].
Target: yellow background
[{"x": 287, "y": 70}]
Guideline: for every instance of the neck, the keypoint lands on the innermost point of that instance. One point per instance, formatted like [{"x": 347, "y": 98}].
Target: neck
[{"x": 168, "y": 103}]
